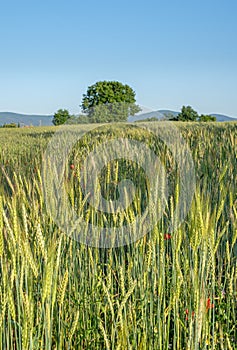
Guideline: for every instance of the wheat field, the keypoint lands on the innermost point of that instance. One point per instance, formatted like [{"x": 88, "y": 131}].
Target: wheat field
[{"x": 166, "y": 290}]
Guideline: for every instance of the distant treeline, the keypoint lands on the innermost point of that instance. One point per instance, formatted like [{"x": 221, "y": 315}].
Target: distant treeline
[{"x": 10, "y": 125}]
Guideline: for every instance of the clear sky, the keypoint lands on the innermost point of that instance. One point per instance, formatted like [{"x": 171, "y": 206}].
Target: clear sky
[{"x": 172, "y": 53}]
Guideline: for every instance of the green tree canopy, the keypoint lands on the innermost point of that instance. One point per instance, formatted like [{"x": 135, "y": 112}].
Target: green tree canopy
[
  {"x": 61, "y": 117},
  {"x": 207, "y": 118},
  {"x": 187, "y": 114},
  {"x": 108, "y": 101}
]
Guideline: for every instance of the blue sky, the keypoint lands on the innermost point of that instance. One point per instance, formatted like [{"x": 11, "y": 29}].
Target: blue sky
[{"x": 171, "y": 53}]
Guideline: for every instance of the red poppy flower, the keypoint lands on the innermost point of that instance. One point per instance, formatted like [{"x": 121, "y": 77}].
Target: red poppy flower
[
  {"x": 209, "y": 305},
  {"x": 167, "y": 236},
  {"x": 72, "y": 166},
  {"x": 186, "y": 312}
]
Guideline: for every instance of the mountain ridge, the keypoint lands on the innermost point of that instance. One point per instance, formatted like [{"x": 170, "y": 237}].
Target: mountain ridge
[
  {"x": 162, "y": 113},
  {"x": 25, "y": 119},
  {"x": 46, "y": 120}
]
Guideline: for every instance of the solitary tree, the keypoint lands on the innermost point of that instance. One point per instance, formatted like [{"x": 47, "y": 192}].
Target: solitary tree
[
  {"x": 187, "y": 114},
  {"x": 207, "y": 118},
  {"x": 61, "y": 117},
  {"x": 108, "y": 101}
]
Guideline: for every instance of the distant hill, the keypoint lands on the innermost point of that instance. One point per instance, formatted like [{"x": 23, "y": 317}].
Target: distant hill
[
  {"x": 223, "y": 118},
  {"x": 164, "y": 113},
  {"x": 25, "y": 119},
  {"x": 167, "y": 112},
  {"x": 147, "y": 115},
  {"x": 46, "y": 120}
]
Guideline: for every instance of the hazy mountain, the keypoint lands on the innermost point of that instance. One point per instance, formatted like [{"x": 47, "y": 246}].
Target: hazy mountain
[
  {"x": 164, "y": 113},
  {"x": 223, "y": 118},
  {"x": 46, "y": 120},
  {"x": 167, "y": 112},
  {"x": 142, "y": 116},
  {"x": 25, "y": 119}
]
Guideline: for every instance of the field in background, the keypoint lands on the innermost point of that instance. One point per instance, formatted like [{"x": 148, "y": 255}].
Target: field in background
[{"x": 165, "y": 291}]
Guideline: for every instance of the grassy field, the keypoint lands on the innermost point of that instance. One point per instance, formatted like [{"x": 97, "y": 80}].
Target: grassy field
[{"x": 168, "y": 290}]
